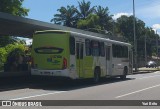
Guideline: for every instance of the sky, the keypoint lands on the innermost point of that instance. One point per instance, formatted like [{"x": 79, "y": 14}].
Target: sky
[{"x": 146, "y": 10}]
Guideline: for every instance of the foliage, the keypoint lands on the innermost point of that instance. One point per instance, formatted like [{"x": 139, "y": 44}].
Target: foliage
[
  {"x": 3, "y": 55},
  {"x": 124, "y": 26},
  {"x": 11, "y": 47},
  {"x": 5, "y": 40},
  {"x": 13, "y": 7},
  {"x": 85, "y": 17},
  {"x": 105, "y": 20},
  {"x": 67, "y": 17},
  {"x": 9, "y": 51},
  {"x": 90, "y": 22},
  {"x": 98, "y": 19},
  {"x": 85, "y": 9}
]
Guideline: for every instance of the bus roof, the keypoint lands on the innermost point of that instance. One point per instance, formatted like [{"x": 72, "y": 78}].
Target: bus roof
[{"x": 76, "y": 34}]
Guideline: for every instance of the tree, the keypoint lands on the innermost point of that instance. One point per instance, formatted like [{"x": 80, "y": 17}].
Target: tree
[
  {"x": 13, "y": 7},
  {"x": 105, "y": 20},
  {"x": 98, "y": 21},
  {"x": 151, "y": 37},
  {"x": 67, "y": 16},
  {"x": 85, "y": 9},
  {"x": 91, "y": 23},
  {"x": 9, "y": 51},
  {"x": 124, "y": 26},
  {"x": 4, "y": 40}
]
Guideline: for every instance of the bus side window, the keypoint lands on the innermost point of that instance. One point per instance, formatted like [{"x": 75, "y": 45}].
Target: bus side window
[
  {"x": 72, "y": 45},
  {"x": 77, "y": 50},
  {"x": 120, "y": 51},
  {"x": 126, "y": 52},
  {"x": 108, "y": 53},
  {"x": 95, "y": 48},
  {"x": 114, "y": 50},
  {"x": 88, "y": 47},
  {"x": 81, "y": 52},
  {"x": 102, "y": 52}
]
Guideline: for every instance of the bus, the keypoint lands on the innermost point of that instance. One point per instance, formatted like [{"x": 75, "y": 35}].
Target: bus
[{"x": 74, "y": 55}]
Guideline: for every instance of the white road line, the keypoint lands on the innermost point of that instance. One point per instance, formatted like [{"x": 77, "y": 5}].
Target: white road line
[
  {"x": 148, "y": 77},
  {"x": 137, "y": 91},
  {"x": 37, "y": 95}
]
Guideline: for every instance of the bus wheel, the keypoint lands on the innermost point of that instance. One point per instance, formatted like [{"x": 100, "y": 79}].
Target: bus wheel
[
  {"x": 96, "y": 75},
  {"x": 125, "y": 71}
]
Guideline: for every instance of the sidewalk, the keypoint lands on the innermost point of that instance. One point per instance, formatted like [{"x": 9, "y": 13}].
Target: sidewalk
[
  {"x": 146, "y": 70},
  {"x": 16, "y": 73}
]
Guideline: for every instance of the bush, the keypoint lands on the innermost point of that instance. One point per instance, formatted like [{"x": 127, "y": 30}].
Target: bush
[
  {"x": 11, "y": 47},
  {"x": 11, "y": 50},
  {"x": 3, "y": 55}
]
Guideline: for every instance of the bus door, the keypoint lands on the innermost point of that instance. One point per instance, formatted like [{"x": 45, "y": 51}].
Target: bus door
[
  {"x": 109, "y": 67},
  {"x": 130, "y": 61},
  {"x": 79, "y": 58}
]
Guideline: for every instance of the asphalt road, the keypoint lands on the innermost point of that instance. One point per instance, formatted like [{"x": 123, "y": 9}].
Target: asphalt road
[{"x": 135, "y": 87}]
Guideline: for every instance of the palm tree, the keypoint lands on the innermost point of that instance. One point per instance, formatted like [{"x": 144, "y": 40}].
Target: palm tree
[
  {"x": 85, "y": 9},
  {"x": 104, "y": 17},
  {"x": 67, "y": 17}
]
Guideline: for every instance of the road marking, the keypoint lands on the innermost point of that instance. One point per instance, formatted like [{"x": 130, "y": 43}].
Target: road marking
[
  {"x": 148, "y": 77},
  {"x": 137, "y": 91},
  {"x": 37, "y": 95}
]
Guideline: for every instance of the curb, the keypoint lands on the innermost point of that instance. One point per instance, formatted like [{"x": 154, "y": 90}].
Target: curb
[{"x": 144, "y": 71}]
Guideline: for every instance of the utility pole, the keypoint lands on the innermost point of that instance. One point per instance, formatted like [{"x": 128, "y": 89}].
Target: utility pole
[
  {"x": 145, "y": 49},
  {"x": 135, "y": 39},
  {"x": 157, "y": 45},
  {"x": 113, "y": 27}
]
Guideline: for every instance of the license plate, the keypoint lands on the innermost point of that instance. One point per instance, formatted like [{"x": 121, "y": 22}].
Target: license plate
[{"x": 47, "y": 73}]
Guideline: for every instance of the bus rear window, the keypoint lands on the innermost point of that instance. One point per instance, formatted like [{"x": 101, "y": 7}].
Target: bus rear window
[{"x": 48, "y": 50}]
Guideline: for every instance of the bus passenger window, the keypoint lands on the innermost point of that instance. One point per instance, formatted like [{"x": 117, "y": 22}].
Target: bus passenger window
[
  {"x": 77, "y": 50},
  {"x": 72, "y": 45},
  {"x": 95, "y": 48},
  {"x": 88, "y": 47},
  {"x": 108, "y": 53},
  {"x": 114, "y": 50},
  {"x": 120, "y": 51},
  {"x": 126, "y": 52},
  {"x": 102, "y": 52},
  {"x": 81, "y": 52}
]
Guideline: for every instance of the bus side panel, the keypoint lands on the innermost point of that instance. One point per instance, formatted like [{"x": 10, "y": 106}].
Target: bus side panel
[
  {"x": 72, "y": 65},
  {"x": 88, "y": 66},
  {"x": 119, "y": 64},
  {"x": 102, "y": 65}
]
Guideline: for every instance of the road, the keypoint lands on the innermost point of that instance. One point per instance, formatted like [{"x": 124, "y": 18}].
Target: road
[{"x": 135, "y": 87}]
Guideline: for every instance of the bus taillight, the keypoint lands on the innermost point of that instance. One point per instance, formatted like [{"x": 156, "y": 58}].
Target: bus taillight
[{"x": 64, "y": 63}]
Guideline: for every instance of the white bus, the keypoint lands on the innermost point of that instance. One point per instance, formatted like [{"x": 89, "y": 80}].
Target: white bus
[{"x": 76, "y": 55}]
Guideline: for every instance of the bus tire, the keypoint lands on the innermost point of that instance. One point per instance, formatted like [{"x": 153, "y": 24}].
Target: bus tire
[
  {"x": 125, "y": 71},
  {"x": 96, "y": 75}
]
